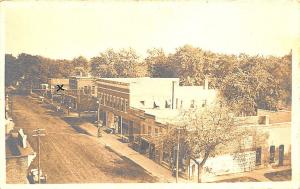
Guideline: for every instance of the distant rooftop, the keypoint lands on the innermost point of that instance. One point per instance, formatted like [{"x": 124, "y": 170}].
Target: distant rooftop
[{"x": 137, "y": 79}]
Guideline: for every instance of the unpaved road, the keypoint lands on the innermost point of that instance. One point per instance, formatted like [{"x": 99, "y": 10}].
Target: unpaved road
[{"x": 68, "y": 155}]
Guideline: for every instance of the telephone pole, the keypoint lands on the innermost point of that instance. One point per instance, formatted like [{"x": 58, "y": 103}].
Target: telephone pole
[
  {"x": 38, "y": 135},
  {"x": 11, "y": 106},
  {"x": 177, "y": 155}
]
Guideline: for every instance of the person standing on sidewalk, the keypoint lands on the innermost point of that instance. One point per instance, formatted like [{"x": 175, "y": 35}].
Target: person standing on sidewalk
[{"x": 99, "y": 134}]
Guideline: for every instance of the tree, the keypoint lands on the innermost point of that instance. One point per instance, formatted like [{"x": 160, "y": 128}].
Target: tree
[
  {"x": 104, "y": 64},
  {"x": 251, "y": 85},
  {"x": 188, "y": 63},
  {"x": 30, "y": 70},
  {"x": 12, "y": 71},
  {"x": 81, "y": 62},
  {"x": 125, "y": 66},
  {"x": 158, "y": 65},
  {"x": 204, "y": 132}
]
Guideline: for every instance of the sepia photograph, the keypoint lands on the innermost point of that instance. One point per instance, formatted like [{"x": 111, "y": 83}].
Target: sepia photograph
[{"x": 148, "y": 91}]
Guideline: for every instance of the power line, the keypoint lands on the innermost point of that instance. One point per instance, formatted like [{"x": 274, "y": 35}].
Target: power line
[{"x": 38, "y": 134}]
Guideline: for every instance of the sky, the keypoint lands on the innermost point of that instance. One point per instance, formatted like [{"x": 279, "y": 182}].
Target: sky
[{"x": 70, "y": 29}]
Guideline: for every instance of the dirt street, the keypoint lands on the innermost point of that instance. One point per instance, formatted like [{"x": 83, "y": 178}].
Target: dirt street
[{"x": 69, "y": 155}]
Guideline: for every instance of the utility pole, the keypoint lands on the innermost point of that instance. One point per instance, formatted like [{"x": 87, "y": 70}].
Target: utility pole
[
  {"x": 98, "y": 112},
  {"x": 121, "y": 121},
  {"x": 38, "y": 135},
  {"x": 11, "y": 106},
  {"x": 78, "y": 102},
  {"x": 177, "y": 155}
]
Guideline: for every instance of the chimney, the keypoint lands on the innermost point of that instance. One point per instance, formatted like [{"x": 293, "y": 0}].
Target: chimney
[
  {"x": 173, "y": 85},
  {"x": 267, "y": 120},
  {"x": 264, "y": 120},
  {"x": 206, "y": 83}
]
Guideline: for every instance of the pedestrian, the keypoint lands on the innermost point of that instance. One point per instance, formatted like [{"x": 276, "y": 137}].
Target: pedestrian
[{"x": 99, "y": 134}]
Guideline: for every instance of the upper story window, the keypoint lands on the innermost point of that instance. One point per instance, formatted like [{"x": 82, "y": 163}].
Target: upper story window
[
  {"x": 156, "y": 131},
  {"x": 93, "y": 90},
  {"x": 118, "y": 103},
  {"x": 113, "y": 101},
  {"x": 122, "y": 104},
  {"x": 110, "y": 100},
  {"x": 126, "y": 105}
]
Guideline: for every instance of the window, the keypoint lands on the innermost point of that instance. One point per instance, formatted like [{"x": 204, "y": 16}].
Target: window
[
  {"x": 166, "y": 157},
  {"x": 258, "y": 156},
  {"x": 149, "y": 130},
  {"x": 113, "y": 101},
  {"x": 93, "y": 89},
  {"x": 110, "y": 100},
  {"x": 272, "y": 154},
  {"x": 122, "y": 104},
  {"x": 281, "y": 155},
  {"x": 156, "y": 131},
  {"x": 118, "y": 103},
  {"x": 104, "y": 99},
  {"x": 126, "y": 105},
  {"x": 142, "y": 102},
  {"x": 85, "y": 89}
]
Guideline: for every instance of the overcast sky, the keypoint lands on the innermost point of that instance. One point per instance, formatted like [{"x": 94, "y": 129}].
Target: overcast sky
[{"x": 67, "y": 30}]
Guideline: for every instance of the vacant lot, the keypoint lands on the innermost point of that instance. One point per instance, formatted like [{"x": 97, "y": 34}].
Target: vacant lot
[{"x": 68, "y": 155}]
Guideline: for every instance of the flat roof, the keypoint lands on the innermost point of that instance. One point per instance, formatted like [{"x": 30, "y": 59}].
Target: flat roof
[
  {"x": 164, "y": 115},
  {"x": 136, "y": 79}
]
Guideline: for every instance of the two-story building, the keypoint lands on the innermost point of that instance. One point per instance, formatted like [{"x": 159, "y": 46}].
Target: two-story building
[{"x": 138, "y": 108}]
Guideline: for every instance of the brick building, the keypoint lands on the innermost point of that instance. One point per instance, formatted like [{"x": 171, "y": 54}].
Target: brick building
[{"x": 133, "y": 108}]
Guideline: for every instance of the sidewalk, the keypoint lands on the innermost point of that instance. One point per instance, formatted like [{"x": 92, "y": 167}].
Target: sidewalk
[
  {"x": 256, "y": 174},
  {"x": 111, "y": 142}
]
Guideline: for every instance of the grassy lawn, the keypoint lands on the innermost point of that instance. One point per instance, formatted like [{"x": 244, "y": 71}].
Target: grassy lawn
[
  {"x": 280, "y": 175},
  {"x": 240, "y": 179}
]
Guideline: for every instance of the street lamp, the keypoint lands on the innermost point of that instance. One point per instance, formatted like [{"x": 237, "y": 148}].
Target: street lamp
[{"x": 69, "y": 110}]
